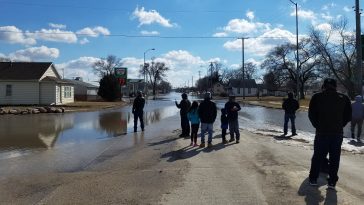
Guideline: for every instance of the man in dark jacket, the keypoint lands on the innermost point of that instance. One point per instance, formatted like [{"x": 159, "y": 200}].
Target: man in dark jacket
[
  {"x": 290, "y": 106},
  {"x": 184, "y": 107},
  {"x": 207, "y": 112},
  {"x": 138, "y": 106},
  {"x": 329, "y": 112},
  {"x": 232, "y": 109}
]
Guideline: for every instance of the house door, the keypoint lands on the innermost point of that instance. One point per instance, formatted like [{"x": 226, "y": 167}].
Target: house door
[{"x": 58, "y": 95}]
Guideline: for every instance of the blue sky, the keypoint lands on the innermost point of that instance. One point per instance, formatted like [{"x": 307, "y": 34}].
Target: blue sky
[{"x": 75, "y": 33}]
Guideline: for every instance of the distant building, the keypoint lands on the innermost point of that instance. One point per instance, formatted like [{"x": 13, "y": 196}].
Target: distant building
[
  {"x": 237, "y": 86},
  {"x": 84, "y": 91},
  {"x": 33, "y": 83},
  {"x": 132, "y": 87},
  {"x": 218, "y": 89}
]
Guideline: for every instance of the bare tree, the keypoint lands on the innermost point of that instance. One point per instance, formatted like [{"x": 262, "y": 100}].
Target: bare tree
[
  {"x": 336, "y": 50},
  {"x": 281, "y": 61},
  {"x": 156, "y": 72},
  {"x": 105, "y": 66}
]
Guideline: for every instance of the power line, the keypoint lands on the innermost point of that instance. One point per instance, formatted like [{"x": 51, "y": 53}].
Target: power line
[{"x": 146, "y": 36}]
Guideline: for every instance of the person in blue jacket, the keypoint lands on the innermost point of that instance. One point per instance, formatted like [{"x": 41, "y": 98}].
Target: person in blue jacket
[
  {"x": 194, "y": 118},
  {"x": 224, "y": 125}
]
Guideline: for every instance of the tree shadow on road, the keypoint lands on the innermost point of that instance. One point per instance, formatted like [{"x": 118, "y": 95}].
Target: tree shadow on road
[
  {"x": 189, "y": 152},
  {"x": 313, "y": 195}
]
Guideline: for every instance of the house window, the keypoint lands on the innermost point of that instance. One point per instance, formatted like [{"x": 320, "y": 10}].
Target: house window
[
  {"x": 67, "y": 92},
  {"x": 249, "y": 90},
  {"x": 9, "y": 90}
]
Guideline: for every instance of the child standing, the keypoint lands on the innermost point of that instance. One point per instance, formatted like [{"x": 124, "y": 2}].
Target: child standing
[
  {"x": 195, "y": 122},
  {"x": 224, "y": 125}
]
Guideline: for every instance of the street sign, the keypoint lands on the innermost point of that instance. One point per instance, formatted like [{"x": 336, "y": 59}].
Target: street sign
[{"x": 122, "y": 74}]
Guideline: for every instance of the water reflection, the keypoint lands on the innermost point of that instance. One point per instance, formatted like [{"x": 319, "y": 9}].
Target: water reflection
[
  {"x": 32, "y": 131},
  {"x": 114, "y": 123}
]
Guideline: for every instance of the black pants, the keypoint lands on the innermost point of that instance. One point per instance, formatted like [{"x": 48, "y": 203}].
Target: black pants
[
  {"x": 194, "y": 128},
  {"x": 324, "y": 145},
  {"x": 138, "y": 114},
  {"x": 223, "y": 134},
  {"x": 185, "y": 125}
]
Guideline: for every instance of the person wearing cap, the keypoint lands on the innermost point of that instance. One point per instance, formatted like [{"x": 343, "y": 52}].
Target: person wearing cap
[
  {"x": 290, "y": 106},
  {"x": 207, "y": 112},
  {"x": 232, "y": 108},
  {"x": 357, "y": 117},
  {"x": 184, "y": 107},
  {"x": 329, "y": 112},
  {"x": 138, "y": 106}
]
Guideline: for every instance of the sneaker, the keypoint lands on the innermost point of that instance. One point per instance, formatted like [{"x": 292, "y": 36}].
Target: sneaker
[
  {"x": 202, "y": 145},
  {"x": 191, "y": 144},
  {"x": 353, "y": 136},
  {"x": 209, "y": 145},
  {"x": 231, "y": 140},
  {"x": 294, "y": 134},
  {"x": 331, "y": 186},
  {"x": 195, "y": 145},
  {"x": 237, "y": 142},
  {"x": 224, "y": 141},
  {"x": 313, "y": 182}
]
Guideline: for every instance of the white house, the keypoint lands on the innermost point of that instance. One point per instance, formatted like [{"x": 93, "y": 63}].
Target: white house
[
  {"x": 218, "y": 89},
  {"x": 33, "y": 83},
  {"x": 84, "y": 91},
  {"x": 237, "y": 87}
]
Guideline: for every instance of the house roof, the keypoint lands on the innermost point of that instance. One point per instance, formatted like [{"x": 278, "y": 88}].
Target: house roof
[
  {"x": 57, "y": 80},
  {"x": 81, "y": 83},
  {"x": 237, "y": 83},
  {"x": 23, "y": 70}
]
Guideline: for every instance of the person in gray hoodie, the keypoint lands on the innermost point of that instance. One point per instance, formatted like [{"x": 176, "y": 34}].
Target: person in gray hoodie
[{"x": 357, "y": 117}]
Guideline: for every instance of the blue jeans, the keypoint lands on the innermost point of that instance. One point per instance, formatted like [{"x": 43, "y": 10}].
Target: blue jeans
[
  {"x": 323, "y": 145},
  {"x": 288, "y": 117},
  {"x": 206, "y": 127}
]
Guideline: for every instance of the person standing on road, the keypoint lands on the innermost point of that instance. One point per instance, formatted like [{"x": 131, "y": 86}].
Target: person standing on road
[
  {"x": 184, "y": 106},
  {"x": 224, "y": 125},
  {"x": 207, "y": 112},
  {"x": 232, "y": 109},
  {"x": 290, "y": 106},
  {"x": 357, "y": 117},
  {"x": 195, "y": 122},
  {"x": 329, "y": 112},
  {"x": 138, "y": 106}
]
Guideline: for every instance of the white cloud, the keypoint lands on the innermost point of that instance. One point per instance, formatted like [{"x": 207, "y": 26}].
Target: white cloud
[
  {"x": 261, "y": 45},
  {"x": 150, "y": 33},
  {"x": 41, "y": 53},
  {"x": 94, "y": 32},
  {"x": 220, "y": 34},
  {"x": 327, "y": 16},
  {"x": 328, "y": 6},
  {"x": 243, "y": 26},
  {"x": 250, "y": 15},
  {"x": 12, "y": 34},
  {"x": 55, "y": 35},
  {"x": 81, "y": 67},
  {"x": 323, "y": 27},
  {"x": 59, "y": 26},
  {"x": 84, "y": 41},
  {"x": 304, "y": 14},
  {"x": 347, "y": 9},
  {"x": 150, "y": 17}
]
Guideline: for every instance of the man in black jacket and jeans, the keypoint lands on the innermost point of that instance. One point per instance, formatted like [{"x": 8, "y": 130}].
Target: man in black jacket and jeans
[
  {"x": 138, "y": 106},
  {"x": 232, "y": 109},
  {"x": 329, "y": 112},
  {"x": 207, "y": 112},
  {"x": 290, "y": 106},
  {"x": 184, "y": 107}
]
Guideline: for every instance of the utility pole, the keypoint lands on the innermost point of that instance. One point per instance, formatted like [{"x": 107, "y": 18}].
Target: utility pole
[
  {"x": 359, "y": 63},
  {"x": 243, "y": 63},
  {"x": 297, "y": 57},
  {"x": 192, "y": 82},
  {"x": 211, "y": 66}
]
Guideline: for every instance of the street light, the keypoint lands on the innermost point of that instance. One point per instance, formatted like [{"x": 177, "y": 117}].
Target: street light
[
  {"x": 297, "y": 58},
  {"x": 144, "y": 67}
]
